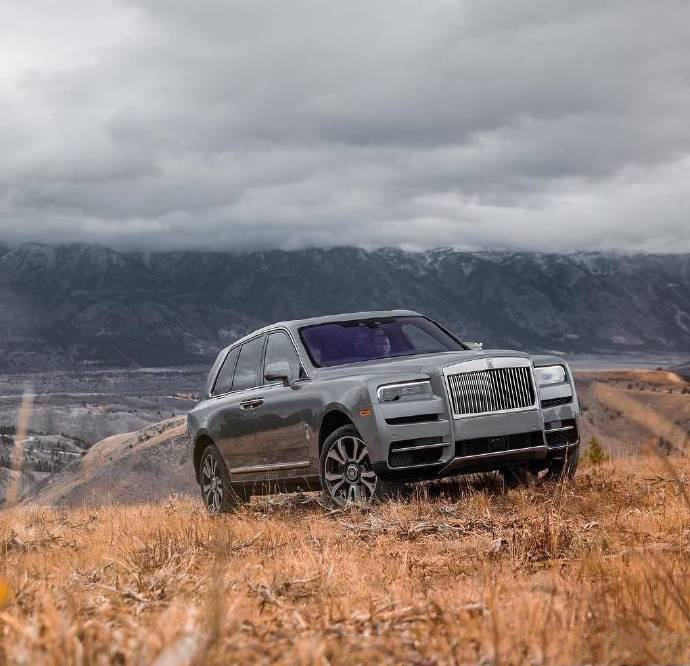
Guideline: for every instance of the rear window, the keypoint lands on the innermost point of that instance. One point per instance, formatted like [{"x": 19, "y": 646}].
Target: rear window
[{"x": 224, "y": 380}]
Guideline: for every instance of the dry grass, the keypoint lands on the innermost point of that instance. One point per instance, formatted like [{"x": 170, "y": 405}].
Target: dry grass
[{"x": 594, "y": 571}]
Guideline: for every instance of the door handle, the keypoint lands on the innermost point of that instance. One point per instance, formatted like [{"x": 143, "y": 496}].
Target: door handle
[{"x": 252, "y": 404}]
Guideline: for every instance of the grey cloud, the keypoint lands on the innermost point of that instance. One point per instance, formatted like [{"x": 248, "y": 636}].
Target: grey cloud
[{"x": 538, "y": 125}]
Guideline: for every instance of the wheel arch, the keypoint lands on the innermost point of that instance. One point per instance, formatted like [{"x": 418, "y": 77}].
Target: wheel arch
[
  {"x": 201, "y": 441},
  {"x": 335, "y": 417}
]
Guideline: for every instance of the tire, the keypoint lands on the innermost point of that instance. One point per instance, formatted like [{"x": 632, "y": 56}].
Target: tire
[
  {"x": 556, "y": 469},
  {"x": 518, "y": 476},
  {"x": 564, "y": 468},
  {"x": 346, "y": 473},
  {"x": 217, "y": 493}
]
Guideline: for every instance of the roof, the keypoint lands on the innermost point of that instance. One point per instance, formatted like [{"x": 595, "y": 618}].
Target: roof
[{"x": 347, "y": 316}]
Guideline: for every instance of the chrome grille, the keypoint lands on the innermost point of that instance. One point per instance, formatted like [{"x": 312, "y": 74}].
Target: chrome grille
[{"x": 494, "y": 390}]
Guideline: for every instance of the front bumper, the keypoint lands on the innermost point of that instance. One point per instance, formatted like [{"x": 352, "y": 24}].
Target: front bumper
[{"x": 404, "y": 447}]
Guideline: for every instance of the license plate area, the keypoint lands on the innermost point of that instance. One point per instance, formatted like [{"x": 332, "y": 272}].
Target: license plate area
[{"x": 497, "y": 444}]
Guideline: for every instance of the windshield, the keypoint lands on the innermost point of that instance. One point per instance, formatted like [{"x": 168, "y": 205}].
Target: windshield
[{"x": 337, "y": 343}]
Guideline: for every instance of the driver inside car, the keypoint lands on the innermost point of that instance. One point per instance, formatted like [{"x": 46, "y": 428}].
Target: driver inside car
[{"x": 382, "y": 345}]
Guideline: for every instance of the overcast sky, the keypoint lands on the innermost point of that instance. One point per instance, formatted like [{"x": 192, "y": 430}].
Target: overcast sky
[{"x": 552, "y": 125}]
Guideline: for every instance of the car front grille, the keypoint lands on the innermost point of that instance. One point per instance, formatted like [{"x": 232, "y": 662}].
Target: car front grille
[{"x": 492, "y": 390}]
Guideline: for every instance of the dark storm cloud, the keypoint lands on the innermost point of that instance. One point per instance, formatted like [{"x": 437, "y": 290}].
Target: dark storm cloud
[{"x": 543, "y": 125}]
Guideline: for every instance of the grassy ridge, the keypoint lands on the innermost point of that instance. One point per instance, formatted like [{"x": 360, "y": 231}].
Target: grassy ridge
[{"x": 592, "y": 571}]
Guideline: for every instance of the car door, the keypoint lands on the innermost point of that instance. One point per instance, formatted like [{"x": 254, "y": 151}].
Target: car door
[
  {"x": 236, "y": 410},
  {"x": 283, "y": 437}
]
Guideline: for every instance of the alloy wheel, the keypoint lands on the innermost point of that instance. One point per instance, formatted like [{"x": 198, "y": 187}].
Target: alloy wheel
[
  {"x": 348, "y": 474},
  {"x": 212, "y": 484}
]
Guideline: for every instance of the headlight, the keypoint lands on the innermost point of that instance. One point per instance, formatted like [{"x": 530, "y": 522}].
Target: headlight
[
  {"x": 407, "y": 391},
  {"x": 549, "y": 374}
]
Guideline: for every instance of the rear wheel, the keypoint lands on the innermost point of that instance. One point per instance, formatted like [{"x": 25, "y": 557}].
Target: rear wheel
[
  {"x": 216, "y": 490},
  {"x": 346, "y": 473}
]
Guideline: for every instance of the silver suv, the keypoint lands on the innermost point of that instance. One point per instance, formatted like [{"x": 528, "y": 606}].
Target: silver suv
[{"x": 357, "y": 404}]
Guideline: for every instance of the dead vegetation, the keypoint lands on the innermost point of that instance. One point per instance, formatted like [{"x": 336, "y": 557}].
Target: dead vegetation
[{"x": 594, "y": 571}]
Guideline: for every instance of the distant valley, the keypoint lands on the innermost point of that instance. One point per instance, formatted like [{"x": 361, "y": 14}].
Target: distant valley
[{"x": 69, "y": 412}]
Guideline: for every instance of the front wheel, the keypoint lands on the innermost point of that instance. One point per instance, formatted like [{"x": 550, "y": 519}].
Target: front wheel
[
  {"x": 346, "y": 473},
  {"x": 553, "y": 469},
  {"x": 565, "y": 467},
  {"x": 518, "y": 476}
]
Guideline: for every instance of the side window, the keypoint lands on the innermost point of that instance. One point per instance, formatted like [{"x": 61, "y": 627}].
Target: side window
[
  {"x": 247, "y": 370},
  {"x": 280, "y": 348},
  {"x": 224, "y": 379}
]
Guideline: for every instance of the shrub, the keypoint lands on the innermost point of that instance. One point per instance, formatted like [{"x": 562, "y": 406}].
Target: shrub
[{"x": 595, "y": 453}]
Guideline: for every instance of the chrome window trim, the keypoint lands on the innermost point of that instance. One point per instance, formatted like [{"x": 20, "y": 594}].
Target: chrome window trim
[
  {"x": 230, "y": 349},
  {"x": 220, "y": 367},
  {"x": 244, "y": 341}
]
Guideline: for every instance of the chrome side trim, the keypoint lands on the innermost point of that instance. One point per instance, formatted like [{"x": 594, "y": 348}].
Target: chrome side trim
[
  {"x": 252, "y": 469},
  {"x": 266, "y": 331},
  {"x": 438, "y": 463},
  {"x": 498, "y": 454},
  {"x": 564, "y": 446},
  {"x": 420, "y": 447}
]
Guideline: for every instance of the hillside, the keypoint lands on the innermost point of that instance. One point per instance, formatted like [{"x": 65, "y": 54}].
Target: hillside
[
  {"x": 80, "y": 306},
  {"x": 628, "y": 410},
  {"x": 595, "y": 571},
  {"x": 144, "y": 466}
]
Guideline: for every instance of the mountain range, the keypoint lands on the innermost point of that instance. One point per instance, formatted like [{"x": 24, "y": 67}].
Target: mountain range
[{"x": 78, "y": 306}]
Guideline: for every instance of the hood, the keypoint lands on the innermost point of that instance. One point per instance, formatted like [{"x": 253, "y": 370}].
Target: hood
[{"x": 429, "y": 364}]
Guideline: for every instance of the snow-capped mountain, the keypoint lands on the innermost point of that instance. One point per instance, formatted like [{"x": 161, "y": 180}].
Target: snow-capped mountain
[{"x": 79, "y": 306}]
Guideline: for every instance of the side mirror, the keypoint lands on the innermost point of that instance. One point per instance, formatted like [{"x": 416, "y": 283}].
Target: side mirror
[
  {"x": 475, "y": 346},
  {"x": 280, "y": 371}
]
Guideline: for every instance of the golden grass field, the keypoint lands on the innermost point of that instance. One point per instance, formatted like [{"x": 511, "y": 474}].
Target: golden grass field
[{"x": 591, "y": 571}]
